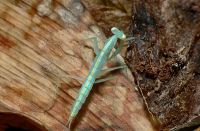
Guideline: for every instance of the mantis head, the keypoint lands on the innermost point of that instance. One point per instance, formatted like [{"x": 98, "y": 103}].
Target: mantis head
[{"x": 119, "y": 33}]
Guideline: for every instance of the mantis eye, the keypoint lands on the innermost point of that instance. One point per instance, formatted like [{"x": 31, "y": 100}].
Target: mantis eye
[{"x": 119, "y": 33}]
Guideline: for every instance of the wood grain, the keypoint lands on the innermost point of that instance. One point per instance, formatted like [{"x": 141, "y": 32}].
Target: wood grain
[{"x": 42, "y": 47}]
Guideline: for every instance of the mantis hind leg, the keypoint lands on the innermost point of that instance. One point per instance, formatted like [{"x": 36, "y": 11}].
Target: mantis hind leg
[
  {"x": 104, "y": 79},
  {"x": 106, "y": 71}
]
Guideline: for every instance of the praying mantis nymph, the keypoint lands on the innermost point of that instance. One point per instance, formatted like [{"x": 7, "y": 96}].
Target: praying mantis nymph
[{"x": 99, "y": 61}]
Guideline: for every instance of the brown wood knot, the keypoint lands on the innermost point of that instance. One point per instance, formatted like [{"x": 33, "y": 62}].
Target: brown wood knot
[
  {"x": 6, "y": 43},
  {"x": 17, "y": 122}
]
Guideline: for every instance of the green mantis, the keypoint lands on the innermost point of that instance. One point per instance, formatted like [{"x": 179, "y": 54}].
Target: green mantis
[{"x": 99, "y": 61}]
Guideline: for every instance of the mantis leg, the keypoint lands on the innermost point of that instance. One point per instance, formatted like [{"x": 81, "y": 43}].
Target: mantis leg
[
  {"x": 106, "y": 71},
  {"x": 117, "y": 51},
  {"x": 104, "y": 79},
  {"x": 95, "y": 45},
  {"x": 80, "y": 79},
  {"x": 130, "y": 38},
  {"x": 113, "y": 68}
]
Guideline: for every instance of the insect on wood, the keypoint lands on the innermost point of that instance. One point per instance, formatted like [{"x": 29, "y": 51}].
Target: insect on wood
[{"x": 99, "y": 61}]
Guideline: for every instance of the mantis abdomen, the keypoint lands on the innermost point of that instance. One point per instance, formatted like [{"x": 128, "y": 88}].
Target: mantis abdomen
[{"x": 87, "y": 86}]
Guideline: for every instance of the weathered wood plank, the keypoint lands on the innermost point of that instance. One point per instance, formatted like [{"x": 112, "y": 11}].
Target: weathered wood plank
[{"x": 41, "y": 48}]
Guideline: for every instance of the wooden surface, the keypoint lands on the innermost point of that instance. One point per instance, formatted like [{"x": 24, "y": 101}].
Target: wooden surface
[{"x": 41, "y": 47}]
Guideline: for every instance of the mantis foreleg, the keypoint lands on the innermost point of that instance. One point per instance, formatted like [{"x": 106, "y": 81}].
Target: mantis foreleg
[
  {"x": 121, "y": 46},
  {"x": 95, "y": 45},
  {"x": 117, "y": 51}
]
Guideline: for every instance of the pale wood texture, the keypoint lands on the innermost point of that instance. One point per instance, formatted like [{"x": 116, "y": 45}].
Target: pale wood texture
[{"x": 41, "y": 46}]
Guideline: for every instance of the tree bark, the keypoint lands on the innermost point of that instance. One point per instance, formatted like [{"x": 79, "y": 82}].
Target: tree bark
[{"x": 165, "y": 59}]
